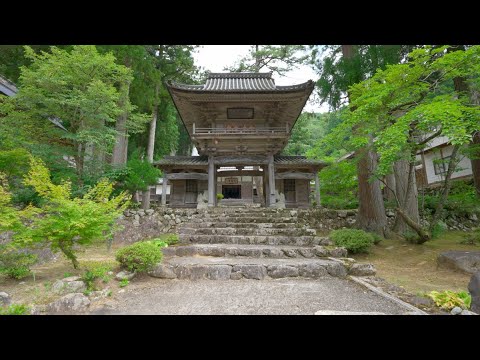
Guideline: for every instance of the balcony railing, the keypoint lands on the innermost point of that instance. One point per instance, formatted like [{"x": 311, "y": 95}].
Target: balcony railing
[{"x": 240, "y": 131}]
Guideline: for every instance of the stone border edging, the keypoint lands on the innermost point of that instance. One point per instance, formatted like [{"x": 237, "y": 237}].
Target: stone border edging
[{"x": 388, "y": 296}]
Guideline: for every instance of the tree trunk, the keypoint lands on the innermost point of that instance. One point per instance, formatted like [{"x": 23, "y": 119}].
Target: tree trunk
[
  {"x": 452, "y": 164},
  {"x": 371, "y": 211},
  {"x": 67, "y": 251},
  {"x": 390, "y": 180},
  {"x": 150, "y": 148},
  {"x": 121, "y": 143},
  {"x": 423, "y": 235},
  {"x": 475, "y": 155},
  {"x": 407, "y": 194},
  {"x": 476, "y": 161}
]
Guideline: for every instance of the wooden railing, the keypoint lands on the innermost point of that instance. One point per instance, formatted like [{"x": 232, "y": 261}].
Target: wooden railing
[{"x": 240, "y": 131}]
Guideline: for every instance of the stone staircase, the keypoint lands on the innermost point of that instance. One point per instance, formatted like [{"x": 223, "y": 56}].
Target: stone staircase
[{"x": 253, "y": 243}]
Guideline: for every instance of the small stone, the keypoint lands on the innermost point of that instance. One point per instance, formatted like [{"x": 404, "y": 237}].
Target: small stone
[
  {"x": 125, "y": 275},
  {"x": 110, "y": 273},
  {"x": 338, "y": 252},
  {"x": 149, "y": 211},
  {"x": 390, "y": 213},
  {"x": 342, "y": 214},
  {"x": 219, "y": 272},
  {"x": 290, "y": 253},
  {"x": 163, "y": 272},
  {"x": 72, "y": 278},
  {"x": 166, "y": 217},
  {"x": 236, "y": 275},
  {"x": 71, "y": 302},
  {"x": 121, "y": 291},
  {"x": 313, "y": 270},
  {"x": 171, "y": 222},
  {"x": 473, "y": 217},
  {"x": 474, "y": 290},
  {"x": 141, "y": 212},
  {"x": 257, "y": 272},
  {"x": 136, "y": 217},
  {"x": 307, "y": 252},
  {"x": 320, "y": 251},
  {"x": 467, "y": 312},
  {"x": 178, "y": 221},
  {"x": 5, "y": 299},
  {"x": 456, "y": 311},
  {"x": 293, "y": 213},
  {"x": 282, "y": 271},
  {"x": 362, "y": 270}
]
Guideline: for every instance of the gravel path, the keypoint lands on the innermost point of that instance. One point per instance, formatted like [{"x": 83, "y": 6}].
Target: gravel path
[{"x": 273, "y": 296}]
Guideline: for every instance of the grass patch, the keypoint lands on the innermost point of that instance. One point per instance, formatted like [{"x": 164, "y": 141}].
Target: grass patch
[{"x": 414, "y": 267}]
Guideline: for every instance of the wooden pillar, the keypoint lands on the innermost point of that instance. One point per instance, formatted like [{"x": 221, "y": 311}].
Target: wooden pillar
[
  {"x": 271, "y": 180},
  {"x": 211, "y": 181},
  {"x": 317, "y": 188},
  {"x": 266, "y": 190},
  {"x": 164, "y": 188}
]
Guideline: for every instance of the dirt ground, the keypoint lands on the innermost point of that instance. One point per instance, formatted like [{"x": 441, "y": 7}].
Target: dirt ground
[
  {"x": 35, "y": 289},
  {"x": 414, "y": 267}
]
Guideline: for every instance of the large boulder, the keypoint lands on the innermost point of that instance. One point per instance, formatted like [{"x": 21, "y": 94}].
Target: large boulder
[
  {"x": 474, "y": 290},
  {"x": 69, "y": 303},
  {"x": 466, "y": 261},
  {"x": 5, "y": 299},
  {"x": 67, "y": 286}
]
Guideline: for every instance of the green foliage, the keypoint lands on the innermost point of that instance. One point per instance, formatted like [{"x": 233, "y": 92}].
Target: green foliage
[
  {"x": 16, "y": 265},
  {"x": 355, "y": 241},
  {"x": 138, "y": 175},
  {"x": 472, "y": 238},
  {"x": 411, "y": 237},
  {"x": 376, "y": 238},
  {"x": 67, "y": 274},
  {"x": 275, "y": 58},
  {"x": 66, "y": 222},
  {"x": 447, "y": 300},
  {"x": 140, "y": 256},
  {"x": 338, "y": 185},
  {"x": 220, "y": 197},
  {"x": 123, "y": 283},
  {"x": 15, "y": 309},
  {"x": 462, "y": 200},
  {"x": 96, "y": 270}
]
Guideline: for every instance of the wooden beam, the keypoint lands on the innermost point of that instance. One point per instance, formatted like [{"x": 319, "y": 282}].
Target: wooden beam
[
  {"x": 211, "y": 181},
  {"x": 241, "y": 160},
  {"x": 186, "y": 175},
  {"x": 239, "y": 173},
  {"x": 317, "y": 189},
  {"x": 271, "y": 179},
  {"x": 294, "y": 175},
  {"x": 164, "y": 188}
]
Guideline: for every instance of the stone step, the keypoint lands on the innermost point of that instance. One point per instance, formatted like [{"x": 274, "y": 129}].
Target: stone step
[
  {"x": 250, "y": 219},
  {"x": 255, "y": 251},
  {"x": 218, "y": 268},
  {"x": 246, "y": 231},
  {"x": 305, "y": 240},
  {"x": 240, "y": 225}
]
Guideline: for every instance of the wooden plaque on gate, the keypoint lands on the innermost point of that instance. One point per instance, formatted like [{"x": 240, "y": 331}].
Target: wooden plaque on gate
[{"x": 231, "y": 180}]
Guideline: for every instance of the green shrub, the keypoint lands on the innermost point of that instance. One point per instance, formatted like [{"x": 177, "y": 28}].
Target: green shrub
[
  {"x": 168, "y": 239},
  {"x": 123, "y": 283},
  {"x": 96, "y": 270},
  {"x": 141, "y": 256},
  {"x": 355, "y": 241},
  {"x": 15, "y": 309},
  {"x": 220, "y": 197},
  {"x": 17, "y": 265},
  {"x": 448, "y": 299},
  {"x": 376, "y": 238},
  {"x": 472, "y": 239}
]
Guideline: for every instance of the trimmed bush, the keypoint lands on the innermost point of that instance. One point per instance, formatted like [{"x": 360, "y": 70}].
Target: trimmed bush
[
  {"x": 355, "y": 241},
  {"x": 376, "y": 238},
  {"x": 141, "y": 256},
  {"x": 17, "y": 265}
]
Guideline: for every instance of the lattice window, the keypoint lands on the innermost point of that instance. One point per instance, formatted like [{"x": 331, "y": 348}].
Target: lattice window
[
  {"x": 289, "y": 185},
  {"x": 191, "y": 186}
]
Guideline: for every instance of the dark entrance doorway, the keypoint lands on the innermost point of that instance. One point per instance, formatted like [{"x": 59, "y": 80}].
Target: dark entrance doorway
[{"x": 232, "y": 191}]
